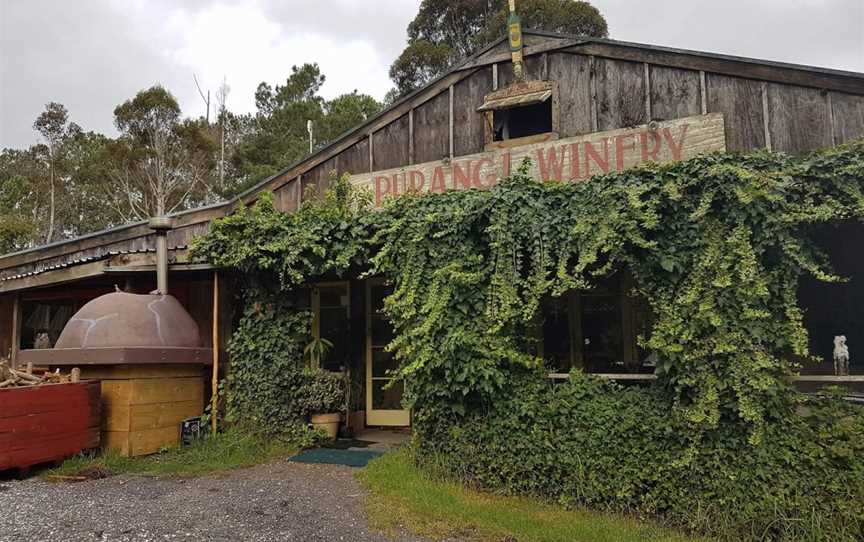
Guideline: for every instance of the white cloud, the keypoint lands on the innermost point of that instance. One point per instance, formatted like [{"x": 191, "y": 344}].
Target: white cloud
[{"x": 243, "y": 45}]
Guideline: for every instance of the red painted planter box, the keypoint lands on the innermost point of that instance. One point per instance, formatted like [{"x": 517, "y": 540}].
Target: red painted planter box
[{"x": 48, "y": 423}]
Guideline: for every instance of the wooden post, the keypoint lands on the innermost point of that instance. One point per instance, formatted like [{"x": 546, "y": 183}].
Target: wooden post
[
  {"x": 451, "y": 123},
  {"x": 765, "y": 122},
  {"x": 214, "y": 396},
  {"x": 16, "y": 331}
]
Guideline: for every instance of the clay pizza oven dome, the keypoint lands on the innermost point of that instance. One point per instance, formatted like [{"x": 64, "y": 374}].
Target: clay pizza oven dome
[{"x": 120, "y": 319}]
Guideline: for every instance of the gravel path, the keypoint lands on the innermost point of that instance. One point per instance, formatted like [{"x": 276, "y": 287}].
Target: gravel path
[{"x": 279, "y": 501}]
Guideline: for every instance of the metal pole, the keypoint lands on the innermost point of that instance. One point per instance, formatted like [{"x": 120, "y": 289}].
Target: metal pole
[
  {"x": 162, "y": 262},
  {"x": 161, "y": 225}
]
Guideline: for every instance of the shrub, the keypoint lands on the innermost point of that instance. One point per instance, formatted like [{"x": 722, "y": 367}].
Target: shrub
[
  {"x": 324, "y": 392},
  {"x": 600, "y": 444}
]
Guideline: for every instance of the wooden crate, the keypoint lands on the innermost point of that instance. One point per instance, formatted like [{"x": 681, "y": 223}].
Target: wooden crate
[
  {"x": 46, "y": 423},
  {"x": 144, "y": 404}
]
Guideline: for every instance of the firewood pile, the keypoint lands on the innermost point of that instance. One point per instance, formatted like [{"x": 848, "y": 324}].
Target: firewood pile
[{"x": 16, "y": 378}]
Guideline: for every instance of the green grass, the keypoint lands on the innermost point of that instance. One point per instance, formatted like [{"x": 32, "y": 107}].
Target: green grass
[
  {"x": 404, "y": 497},
  {"x": 224, "y": 451}
]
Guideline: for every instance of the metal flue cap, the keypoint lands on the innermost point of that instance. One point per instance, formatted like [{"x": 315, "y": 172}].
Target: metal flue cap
[{"x": 161, "y": 223}]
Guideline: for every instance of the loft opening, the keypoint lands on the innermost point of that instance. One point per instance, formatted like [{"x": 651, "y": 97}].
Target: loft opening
[
  {"x": 522, "y": 121},
  {"x": 523, "y": 110}
]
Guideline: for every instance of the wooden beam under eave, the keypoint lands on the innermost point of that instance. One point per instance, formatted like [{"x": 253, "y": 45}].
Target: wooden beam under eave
[{"x": 54, "y": 277}]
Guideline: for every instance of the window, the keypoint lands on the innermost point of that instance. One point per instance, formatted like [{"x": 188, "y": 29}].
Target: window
[
  {"x": 595, "y": 330},
  {"x": 524, "y": 109},
  {"x": 331, "y": 320},
  {"x": 43, "y": 321},
  {"x": 522, "y": 121}
]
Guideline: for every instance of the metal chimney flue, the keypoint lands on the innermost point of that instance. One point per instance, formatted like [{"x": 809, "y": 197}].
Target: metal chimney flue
[{"x": 162, "y": 225}]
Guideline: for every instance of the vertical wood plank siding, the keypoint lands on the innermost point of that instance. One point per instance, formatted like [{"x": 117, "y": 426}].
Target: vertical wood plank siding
[
  {"x": 848, "y": 114},
  {"x": 740, "y": 100},
  {"x": 431, "y": 129},
  {"x": 573, "y": 72},
  {"x": 467, "y": 96},
  {"x": 675, "y": 93},
  {"x": 798, "y": 118},
  {"x": 355, "y": 159},
  {"x": 620, "y": 94},
  {"x": 390, "y": 145}
]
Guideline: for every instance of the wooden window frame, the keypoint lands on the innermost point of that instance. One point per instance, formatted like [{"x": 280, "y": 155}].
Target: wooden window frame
[{"x": 515, "y": 89}]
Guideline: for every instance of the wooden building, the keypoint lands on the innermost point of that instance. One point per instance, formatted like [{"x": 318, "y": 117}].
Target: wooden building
[{"x": 587, "y": 105}]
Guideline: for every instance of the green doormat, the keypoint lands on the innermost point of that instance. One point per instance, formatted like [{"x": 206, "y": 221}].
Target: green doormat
[
  {"x": 330, "y": 456},
  {"x": 345, "y": 443}
]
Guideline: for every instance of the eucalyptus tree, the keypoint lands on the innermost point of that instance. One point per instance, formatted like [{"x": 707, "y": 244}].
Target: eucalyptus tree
[
  {"x": 445, "y": 31},
  {"x": 163, "y": 163}
]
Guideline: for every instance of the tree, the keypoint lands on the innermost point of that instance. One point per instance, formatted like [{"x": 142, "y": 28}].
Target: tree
[
  {"x": 17, "y": 208},
  {"x": 163, "y": 163},
  {"x": 444, "y": 31},
  {"x": 345, "y": 112},
  {"x": 54, "y": 126},
  {"x": 276, "y": 135}
]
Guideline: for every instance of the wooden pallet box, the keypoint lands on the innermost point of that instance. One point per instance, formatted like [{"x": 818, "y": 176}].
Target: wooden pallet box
[{"x": 144, "y": 404}]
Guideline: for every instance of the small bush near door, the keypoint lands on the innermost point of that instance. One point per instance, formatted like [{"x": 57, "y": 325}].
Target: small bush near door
[{"x": 595, "y": 443}]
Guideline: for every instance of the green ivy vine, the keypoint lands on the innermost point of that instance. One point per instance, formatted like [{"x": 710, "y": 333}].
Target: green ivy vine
[{"x": 716, "y": 245}]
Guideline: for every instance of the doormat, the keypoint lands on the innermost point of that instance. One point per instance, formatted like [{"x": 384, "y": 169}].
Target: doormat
[
  {"x": 345, "y": 443},
  {"x": 330, "y": 456}
]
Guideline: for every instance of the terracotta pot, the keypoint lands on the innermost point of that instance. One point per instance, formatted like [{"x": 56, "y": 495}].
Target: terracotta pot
[{"x": 328, "y": 422}]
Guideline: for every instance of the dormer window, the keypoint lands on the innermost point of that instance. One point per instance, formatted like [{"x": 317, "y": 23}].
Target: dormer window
[{"x": 520, "y": 111}]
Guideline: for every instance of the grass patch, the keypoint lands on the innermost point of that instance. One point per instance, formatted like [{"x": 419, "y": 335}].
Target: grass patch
[
  {"x": 404, "y": 497},
  {"x": 225, "y": 451}
]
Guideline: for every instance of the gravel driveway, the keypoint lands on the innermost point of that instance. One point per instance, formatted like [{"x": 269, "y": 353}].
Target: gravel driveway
[{"x": 279, "y": 501}]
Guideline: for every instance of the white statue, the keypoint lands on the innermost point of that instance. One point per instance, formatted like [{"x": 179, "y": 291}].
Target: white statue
[{"x": 841, "y": 356}]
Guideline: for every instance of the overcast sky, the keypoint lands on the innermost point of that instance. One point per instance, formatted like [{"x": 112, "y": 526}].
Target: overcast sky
[{"x": 93, "y": 54}]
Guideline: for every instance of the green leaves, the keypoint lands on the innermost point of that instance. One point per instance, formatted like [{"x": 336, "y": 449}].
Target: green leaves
[{"x": 716, "y": 245}]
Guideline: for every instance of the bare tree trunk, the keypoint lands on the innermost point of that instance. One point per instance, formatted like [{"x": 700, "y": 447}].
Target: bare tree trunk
[{"x": 51, "y": 204}]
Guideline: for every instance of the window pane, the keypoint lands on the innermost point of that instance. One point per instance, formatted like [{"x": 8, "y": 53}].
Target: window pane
[
  {"x": 333, "y": 297},
  {"x": 333, "y": 325},
  {"x": 382, "y": 361},
  {"x": 389, "y": 399},
  {"x": 42, "y": 323},
  {"x": 602, "y": 333},
  {"x": 556, "y": 334}
]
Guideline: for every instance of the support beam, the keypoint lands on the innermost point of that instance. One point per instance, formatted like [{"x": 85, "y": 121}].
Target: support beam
[
  {"x": 452, "y": 146},
  {"x": 765, "y": 123},
  {"x": 16, "y": 330},
  {"x": 214, "y": 393}
]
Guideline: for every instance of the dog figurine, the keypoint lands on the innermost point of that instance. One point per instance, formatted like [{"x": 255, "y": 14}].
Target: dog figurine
[{"x": 841, "y": 356}]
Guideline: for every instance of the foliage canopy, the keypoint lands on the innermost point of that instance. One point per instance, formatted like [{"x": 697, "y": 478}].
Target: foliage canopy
[{"x": 445, "y": 31}]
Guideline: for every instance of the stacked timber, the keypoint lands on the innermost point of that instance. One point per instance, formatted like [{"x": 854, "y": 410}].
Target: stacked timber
[{"x": 13, "y": 378}]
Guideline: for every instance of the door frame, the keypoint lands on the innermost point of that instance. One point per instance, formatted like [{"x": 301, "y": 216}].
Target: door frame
[{"x": 391, "y": 418}]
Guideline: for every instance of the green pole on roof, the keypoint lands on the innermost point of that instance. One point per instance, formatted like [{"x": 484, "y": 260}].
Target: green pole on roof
[{"x": 514, "y": 30}]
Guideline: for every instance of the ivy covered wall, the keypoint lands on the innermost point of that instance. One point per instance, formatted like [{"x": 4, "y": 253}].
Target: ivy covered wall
[{"x": 716, "y": 245}]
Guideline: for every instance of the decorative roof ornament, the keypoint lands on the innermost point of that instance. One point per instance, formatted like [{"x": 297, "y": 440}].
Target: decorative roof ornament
[{"x": 514, "y": 30}]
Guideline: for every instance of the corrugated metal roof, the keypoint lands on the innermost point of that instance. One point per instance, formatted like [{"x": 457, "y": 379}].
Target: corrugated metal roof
[{"x": 82, "y": 260}]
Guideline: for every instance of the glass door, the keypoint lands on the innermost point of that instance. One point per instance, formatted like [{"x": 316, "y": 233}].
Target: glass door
[{"x": 383, "y": 406}]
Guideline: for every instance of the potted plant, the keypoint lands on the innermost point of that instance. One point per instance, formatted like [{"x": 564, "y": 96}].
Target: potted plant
[{"x": 324, "y": 399}]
